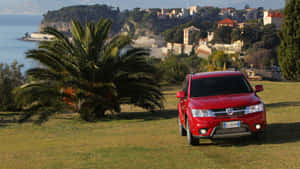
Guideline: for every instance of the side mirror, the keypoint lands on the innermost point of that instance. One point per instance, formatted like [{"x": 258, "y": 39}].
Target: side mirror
[
  {"x": 259, "y": 88},
  {"x": 180, "y": 94}
]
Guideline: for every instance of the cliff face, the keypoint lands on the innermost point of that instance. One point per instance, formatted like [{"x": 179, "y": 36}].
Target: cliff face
[{"x": 61, "y": 26}]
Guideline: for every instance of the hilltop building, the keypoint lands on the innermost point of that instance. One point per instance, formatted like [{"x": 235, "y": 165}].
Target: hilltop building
[
  {"x": 271, "y": 17},
  {"x": 252, "y": 13},
  {"x": 184, "y": 13},
  {"x": 172, "y": 13},
  {"x": 202, "y": 49},
  {"x": 235, "y": 47},
  {"x": 227, "y": 22},
  {"x": 227, "y": 12},
  {"x": 193, "y": 10},
  {"x": 210, "y": 36},
  {"x": 187, "y": 34}
]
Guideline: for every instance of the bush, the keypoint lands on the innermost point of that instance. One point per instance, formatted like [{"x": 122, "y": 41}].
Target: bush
[
  {"x": 172, "y": 70},
  {"x": 10, "y": 78},
  {"x": 261, "y": 58}
]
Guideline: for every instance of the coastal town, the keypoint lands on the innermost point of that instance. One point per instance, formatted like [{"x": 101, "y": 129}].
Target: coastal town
[
  {"x": 230, "y": 17},
  {"x": 204, "y": 46},
  {"x": 201, "y": 31}
]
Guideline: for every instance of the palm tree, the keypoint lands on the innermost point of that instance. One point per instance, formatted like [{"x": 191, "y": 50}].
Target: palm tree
[{"x": 102, "y": 74}]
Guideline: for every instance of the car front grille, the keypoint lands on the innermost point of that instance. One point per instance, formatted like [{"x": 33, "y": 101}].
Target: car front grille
[
  {"x": 236, "y": 112},
  {"x": 231, "y": 130},
  {"x": 220, "y": 132}
]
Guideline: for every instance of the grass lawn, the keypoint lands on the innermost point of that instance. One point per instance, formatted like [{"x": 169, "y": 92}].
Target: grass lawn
[{"x": 139, "y": 140}]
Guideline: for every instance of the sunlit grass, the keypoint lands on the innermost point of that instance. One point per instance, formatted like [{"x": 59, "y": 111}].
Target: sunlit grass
[{"x": 140, "y": 139}]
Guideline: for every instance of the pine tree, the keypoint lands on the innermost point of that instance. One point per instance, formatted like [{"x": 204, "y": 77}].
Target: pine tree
[{"x": 289, "y": 50}]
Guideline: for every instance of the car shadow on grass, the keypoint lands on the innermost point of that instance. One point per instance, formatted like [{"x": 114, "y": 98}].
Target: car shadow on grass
[
  {"x": 148, "y": 116},
  {"x": 282, "y": 104},
  {"x": 277, "y": 133}
]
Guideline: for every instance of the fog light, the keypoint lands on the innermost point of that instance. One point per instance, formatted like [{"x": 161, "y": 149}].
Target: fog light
[
  {"x": 258, "y": 126},
  {"x": 203, "y": 131}
]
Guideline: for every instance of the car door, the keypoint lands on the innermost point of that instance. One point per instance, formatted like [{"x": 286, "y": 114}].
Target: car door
[{"x": 183, "y": 101}]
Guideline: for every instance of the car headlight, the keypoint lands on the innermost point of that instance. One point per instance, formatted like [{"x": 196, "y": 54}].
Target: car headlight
[
  {"x": 255, "y": 108},
  {"x": 202, "y": 113}
]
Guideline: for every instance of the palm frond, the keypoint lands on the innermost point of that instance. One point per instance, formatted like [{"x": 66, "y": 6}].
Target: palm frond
[{"x": 102, "y": 74}]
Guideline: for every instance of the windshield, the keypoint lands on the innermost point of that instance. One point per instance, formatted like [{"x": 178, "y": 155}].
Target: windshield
[{"x": 219, "y": 85}]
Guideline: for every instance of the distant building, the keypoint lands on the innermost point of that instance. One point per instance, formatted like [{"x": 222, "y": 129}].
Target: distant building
[
  {"x": 203, "y": 41},
  {"x": 235, "y": 47},
  {"x": 148, "y": 10},
  {"x": 203, "y": 51},
  {"x": 252, "y": 13},
  {"x": 187, "y": 39},
  {"x": 174, "y": 12},
  {"x": 242, "y": 25},
  {"x": 193, "y": 10},
  {"x": 184, "y": 13},
  {"x": 36, "y": 36},
  {"x": 271, "y": 17},
  {"x": 227, "y": 12},
  {"x": 176, "y": 48},
  {"x": 210, "y": 36},
  {"x": 227, "y": 22},
  {"x": 163, "y": 11}
]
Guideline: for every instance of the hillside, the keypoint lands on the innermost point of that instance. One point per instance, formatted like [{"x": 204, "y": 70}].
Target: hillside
[
  {"x": 61, "y": 19},
  {"x": 137, "y": 22}
]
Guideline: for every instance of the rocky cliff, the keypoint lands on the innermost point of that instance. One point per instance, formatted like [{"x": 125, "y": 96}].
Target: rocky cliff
[{"x": 61, "y": 26}]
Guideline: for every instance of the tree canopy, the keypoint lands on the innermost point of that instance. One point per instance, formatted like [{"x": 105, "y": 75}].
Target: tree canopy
[
  {"x": 289, "y": 50},
  {"x": 91, "y": 75}
]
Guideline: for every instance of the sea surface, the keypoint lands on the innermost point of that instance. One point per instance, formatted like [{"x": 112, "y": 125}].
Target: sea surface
[{"x": 12, "y": 28}]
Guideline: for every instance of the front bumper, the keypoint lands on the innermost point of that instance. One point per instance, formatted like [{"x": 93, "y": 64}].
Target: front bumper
[{"x": 214, "y": 127}]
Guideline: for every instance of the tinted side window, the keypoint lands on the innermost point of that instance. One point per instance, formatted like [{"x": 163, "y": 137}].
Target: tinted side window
[{"x": 185, "y": 86}]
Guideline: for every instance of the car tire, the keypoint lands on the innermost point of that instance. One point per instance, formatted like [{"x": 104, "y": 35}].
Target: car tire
[
  {"x": 182, "y": 131},
  {"x": 190, "y": 138}
]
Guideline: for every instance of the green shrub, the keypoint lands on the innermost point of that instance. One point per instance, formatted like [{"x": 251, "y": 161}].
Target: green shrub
[{"x": 10, "y": 78}]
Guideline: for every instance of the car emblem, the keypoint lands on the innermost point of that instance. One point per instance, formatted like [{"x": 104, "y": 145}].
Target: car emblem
[{"x": 229, "y": 111}]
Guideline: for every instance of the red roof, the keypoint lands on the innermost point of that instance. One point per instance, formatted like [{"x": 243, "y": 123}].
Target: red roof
[
  {"x": 275, "y": 15},
  {"x": 226, "y": 21},
  {"x": 227, "y": 9}
]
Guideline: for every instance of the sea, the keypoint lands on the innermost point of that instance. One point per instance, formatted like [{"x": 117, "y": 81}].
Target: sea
[{"x": 12, "y": 48}]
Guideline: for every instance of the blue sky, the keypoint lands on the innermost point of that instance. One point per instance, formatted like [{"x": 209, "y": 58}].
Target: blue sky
[{"x": 42, "y": 6}]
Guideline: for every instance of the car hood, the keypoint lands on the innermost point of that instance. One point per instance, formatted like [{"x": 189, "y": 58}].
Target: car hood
[{"x": 224, "y": 101}]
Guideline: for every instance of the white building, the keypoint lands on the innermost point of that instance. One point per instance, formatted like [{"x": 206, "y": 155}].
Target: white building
[
  {"x": 193, "y": 10},
  {"x": 210, "y": 36},
  {"x": 187, "y": 33},
  {"x": 235, "y": 47},
  {"x": 271, "y": 17},
  {"x": 36, "y": 36},
  {"x": 184, "y": 13}
]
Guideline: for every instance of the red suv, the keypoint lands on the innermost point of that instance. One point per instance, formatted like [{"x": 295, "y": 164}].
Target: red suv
[{"x": 219, "y": 105}]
